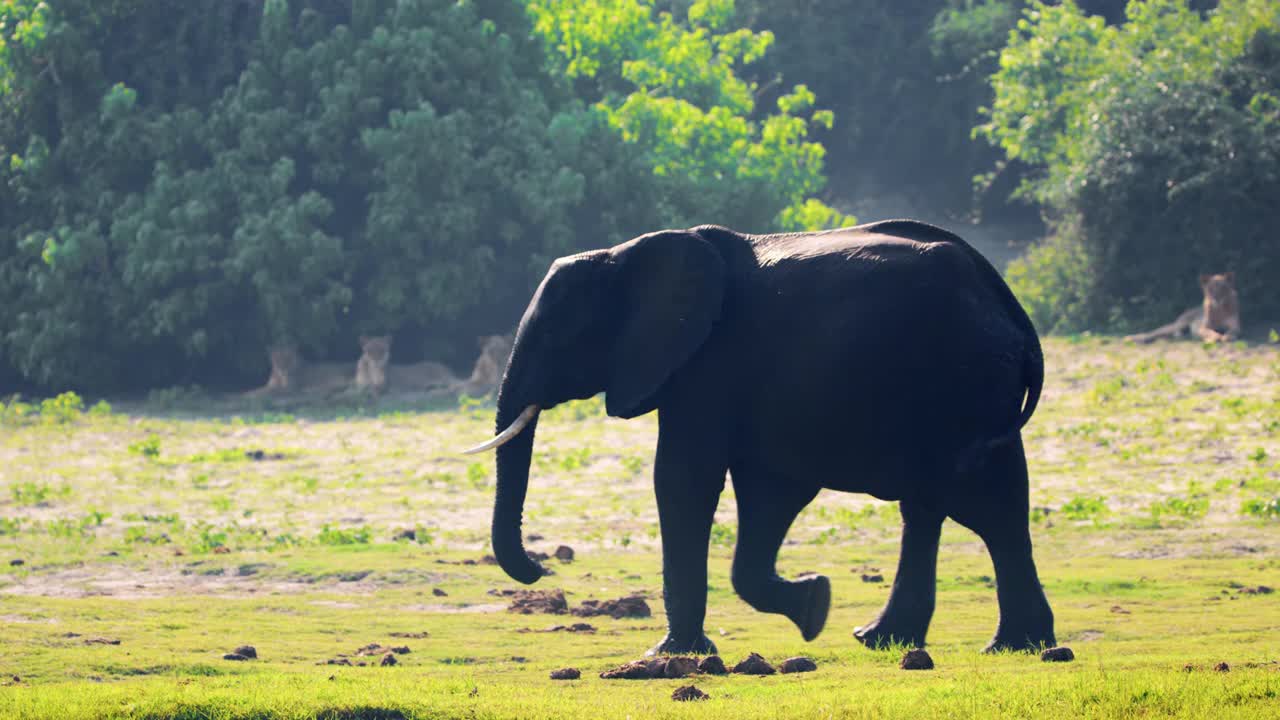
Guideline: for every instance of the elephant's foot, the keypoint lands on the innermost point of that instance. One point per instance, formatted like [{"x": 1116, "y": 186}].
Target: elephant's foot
[
  {"x": 699, "y": 644},
  {"x": 885, "y": 631},
  {"x": 1028, "y": 641},
  {"x": 1027, "y": 633},
  {"x": 811, "y": 616}
]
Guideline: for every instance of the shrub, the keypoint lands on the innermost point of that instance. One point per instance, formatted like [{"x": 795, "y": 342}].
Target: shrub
[{"x": 1158, "y": 144}]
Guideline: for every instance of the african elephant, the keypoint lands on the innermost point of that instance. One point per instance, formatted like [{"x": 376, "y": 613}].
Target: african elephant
[{"x": 888, "y": 358}]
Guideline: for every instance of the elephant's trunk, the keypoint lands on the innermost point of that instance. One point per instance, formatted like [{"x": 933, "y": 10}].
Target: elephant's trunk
[{"x": 513, "y": 481}]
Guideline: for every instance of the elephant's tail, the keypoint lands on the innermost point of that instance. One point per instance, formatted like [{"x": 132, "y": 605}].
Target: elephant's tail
[
  {"x": 1032, "y": 361},
  {"x": 1032, "y": 354}
]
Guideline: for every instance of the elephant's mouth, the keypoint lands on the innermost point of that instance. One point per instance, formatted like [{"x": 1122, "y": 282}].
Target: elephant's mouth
[{"x": 502, "y": 438}]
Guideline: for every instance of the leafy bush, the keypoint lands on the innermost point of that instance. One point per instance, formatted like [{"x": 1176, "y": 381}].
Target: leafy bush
[
  {"x": 671, "y": 87},
  {"x": 338, "y": 536},
  {"x": 1159, "y": 143},
  {"x": 1084, "y": 508},
  {"x": 148, "y": 447},
  {"x": 1262, "y": 509},
  {"x": 301, "y": 171},
  {"x": 1193, "y": 506}
]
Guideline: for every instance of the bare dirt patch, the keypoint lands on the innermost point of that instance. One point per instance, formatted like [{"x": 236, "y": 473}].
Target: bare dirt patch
[
  {"x": 627, "y": 607},
  {"x": 530, "y": 602}
]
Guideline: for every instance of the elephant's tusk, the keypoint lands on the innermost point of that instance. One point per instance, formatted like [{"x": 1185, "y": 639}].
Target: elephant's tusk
[{"x": 503, "y": 437}]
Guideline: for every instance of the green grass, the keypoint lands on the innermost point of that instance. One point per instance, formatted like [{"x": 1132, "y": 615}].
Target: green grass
[{"x": 1155, "y": 473}]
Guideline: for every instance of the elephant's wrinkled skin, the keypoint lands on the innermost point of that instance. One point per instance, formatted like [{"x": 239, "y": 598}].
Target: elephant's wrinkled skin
[{"x": 889, "y": 359}]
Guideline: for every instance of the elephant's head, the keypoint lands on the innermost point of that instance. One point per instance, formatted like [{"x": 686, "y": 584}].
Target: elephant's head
[{"x": 620, "y": 320}]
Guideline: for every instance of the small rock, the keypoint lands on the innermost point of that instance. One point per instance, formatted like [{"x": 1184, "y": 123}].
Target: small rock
[
  {"x": 566, "y": 674},
  {"x": 1188, "y": 667},
  {"x": 679, "y": 667},
  {"x": 564, "y": 553},
  {"x": 221, "y": 550},
  {"x": 536, "y": 556},
  {"x": 400, "y": 650},
  {"x": 798, "y": 665},
  {"x": 872, "y": 578},
  {"x": 388, "y": 659},
  {"x": 439, "y": 593},
  {"x": 1119, "y": 610},
  {"x": 1222, "y": 667},
  {"x": 1058, "y": 654},
  {"x": 101, "y": 641},
  {"x": 337, "y": 661},
  {"x": 533, "y": 537},
  {"x": 371, "y": 649},
  {"x": 688, "y": 693},
  {"x": 713, "y": 665},
  {"x": 1260, "y": 590},
  {"x": 916, "y": 659},
  {"x": 411, "y": 635},
  {"x": 519, "y": 659},
  {"x": 248, "y": 651},
  {"x": 234, "y": 656},
  {"x": 754, "y": 665},
  {"x": 17, "y": 562},
  {"x": 410, "y": 535}
]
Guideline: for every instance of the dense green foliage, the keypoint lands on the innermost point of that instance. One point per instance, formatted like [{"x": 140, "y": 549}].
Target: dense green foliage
[
  {"x": 302, "y": 172},
  {"x": 1159, "y": 144},
  {"x": 188, "y": 183},
  {"x": 905, "y": 79}
]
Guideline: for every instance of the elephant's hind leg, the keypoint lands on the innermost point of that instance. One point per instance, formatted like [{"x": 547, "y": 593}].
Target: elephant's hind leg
[
  {"x": 996, "y": 508},
  {"x": 765, "y": 513},
  {"x": 905, "y": 617}
]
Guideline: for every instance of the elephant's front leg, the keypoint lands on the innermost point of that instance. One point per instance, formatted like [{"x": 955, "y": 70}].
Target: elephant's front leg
[
  {"x": 688, "y": 479},
  {"x": 905, "y": 617}
]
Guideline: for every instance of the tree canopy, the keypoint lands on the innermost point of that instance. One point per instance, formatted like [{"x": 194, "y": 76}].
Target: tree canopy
[
  {"x": 302, "y": 172},
  {"x": 1156, "y": 148}
]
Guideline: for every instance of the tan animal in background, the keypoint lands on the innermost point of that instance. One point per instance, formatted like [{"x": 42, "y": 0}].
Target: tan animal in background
[
  {"x": 422, "y": 376},
  {"x": 489, "y": 367},
  {"x": 291, "y": 374},
  {"x": 1216, "y": 319},
  {"x": 371, "y": 368}
]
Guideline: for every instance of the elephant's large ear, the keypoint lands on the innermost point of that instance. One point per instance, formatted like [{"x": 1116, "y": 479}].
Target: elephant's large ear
[{"x": 670, "y": 287}]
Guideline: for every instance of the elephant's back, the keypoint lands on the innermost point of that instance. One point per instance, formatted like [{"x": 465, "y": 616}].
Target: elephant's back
[{"x": 882, "y": 346}]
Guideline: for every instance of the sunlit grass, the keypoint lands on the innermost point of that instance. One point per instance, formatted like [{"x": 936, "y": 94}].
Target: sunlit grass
[{"x": 1155, "y": 482}]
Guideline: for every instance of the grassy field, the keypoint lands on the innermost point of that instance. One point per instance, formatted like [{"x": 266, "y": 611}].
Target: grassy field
[{"x": 182, "y": 528}]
